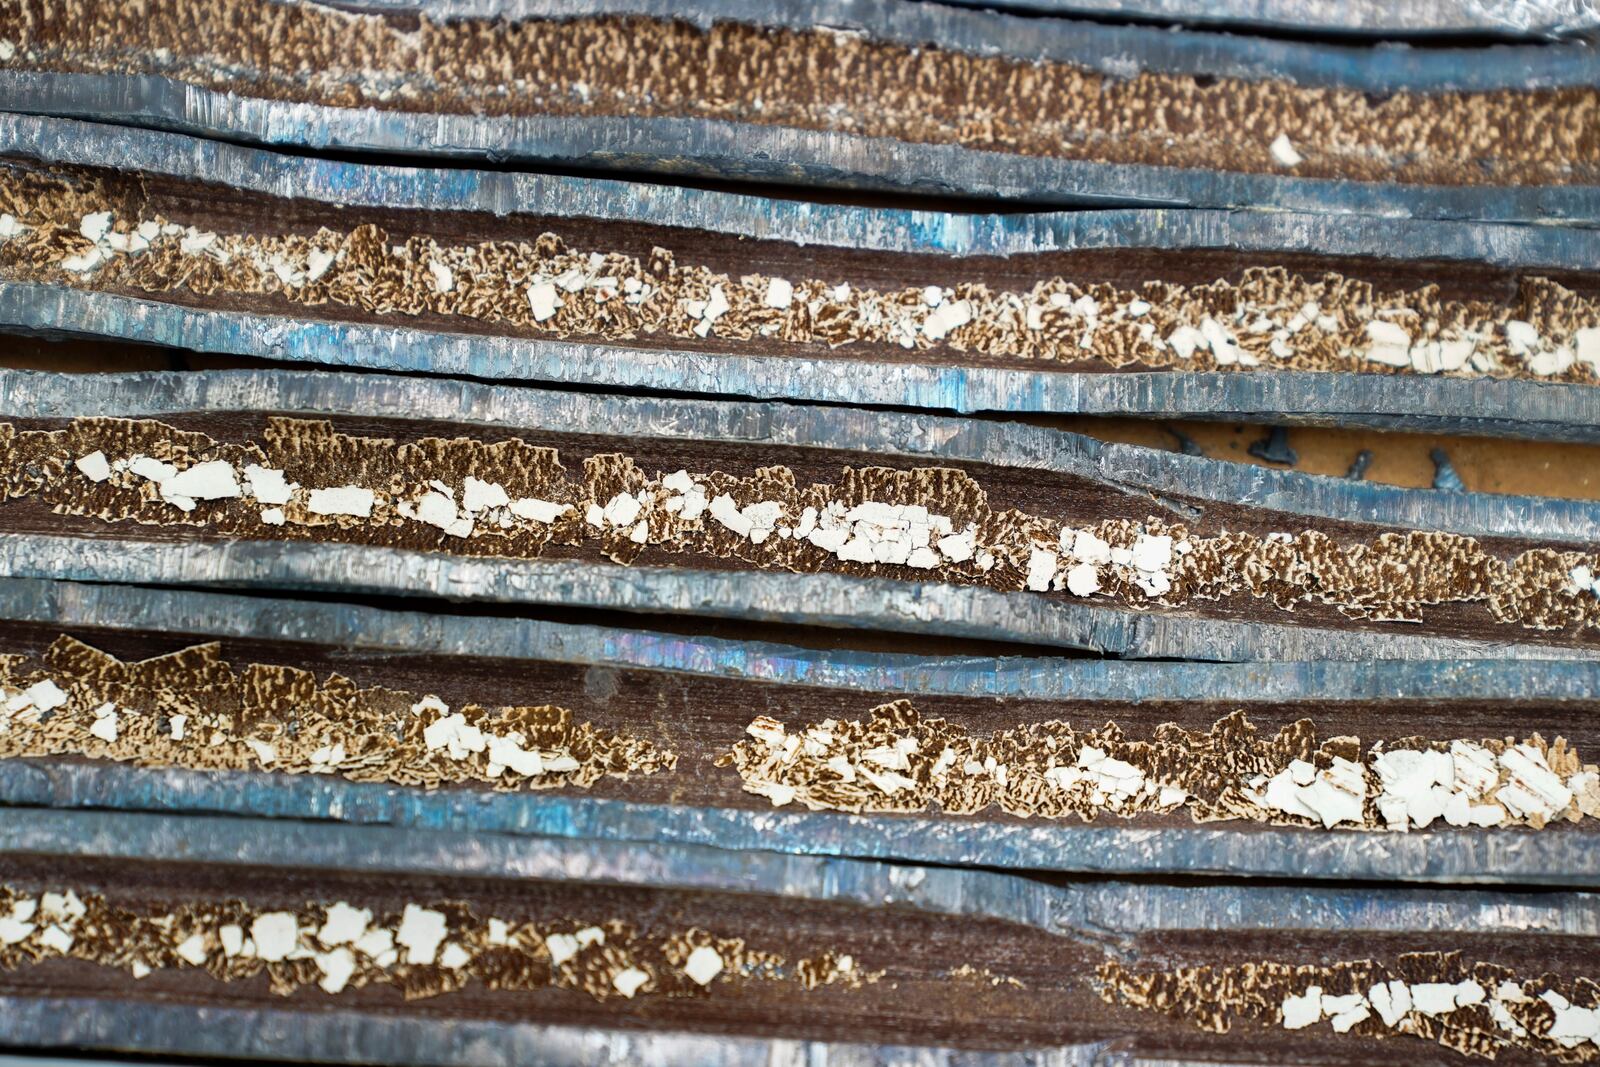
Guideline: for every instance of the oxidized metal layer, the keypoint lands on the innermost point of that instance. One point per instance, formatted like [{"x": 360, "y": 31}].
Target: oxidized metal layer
[
  {"x": 985, "y": 529},
  {"x": 576, "y": 128},
  {"x": 173, "y": 714},
  {"x": 1397, "y": 354},
  {"x": 1015, "y": 968},
  {"x": 1502, "y": 18}
]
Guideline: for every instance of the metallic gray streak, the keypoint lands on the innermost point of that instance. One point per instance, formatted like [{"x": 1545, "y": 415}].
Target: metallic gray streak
[
  {"x": 360, "y": 628},
  {"x": 734, "y": 150}
]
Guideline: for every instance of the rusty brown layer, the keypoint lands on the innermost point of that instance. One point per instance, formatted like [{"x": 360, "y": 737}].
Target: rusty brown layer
[
  {"x": 1498, "y": 1009},
  {"x": 191, "y": 709},
  {"x": 816, "y": 80},
  {"x": 1272, "y": 316},
  {"x": 1432, "y": 578}
]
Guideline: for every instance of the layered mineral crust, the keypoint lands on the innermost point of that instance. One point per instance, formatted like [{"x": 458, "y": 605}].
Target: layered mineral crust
[
  {"x": 191, "y": 709},
  {"x": 816, "y": 80},
  {"x": 91, "y": 230},
  {"x": 1477, "y": 1008},
  {"x": 897, "y": 761},
  {"x": 303, "y": 480},
  {"x": 424, "y": 949}
]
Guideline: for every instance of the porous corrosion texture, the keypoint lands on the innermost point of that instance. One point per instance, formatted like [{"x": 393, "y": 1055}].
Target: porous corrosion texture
[
  {"x": 818, "y": 80},
  {"x": 1495, "y": 1011},
  {"x": 191, "y": 709},
  {"x": 898, "y": 761},
  {"x": 406, "y": 496},
  {"x": 1268, "y": 318},
  {"x": 428, "y": 949}
]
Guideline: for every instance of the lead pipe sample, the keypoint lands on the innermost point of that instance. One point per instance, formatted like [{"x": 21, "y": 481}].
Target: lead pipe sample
[
  {"x": 290, "y": 941},
  {"x": 823, "y": 516},
  {"x": 887, "y": 94},
  {"x": 135, "y": 235},
  {"x": 168, "y": 701}
]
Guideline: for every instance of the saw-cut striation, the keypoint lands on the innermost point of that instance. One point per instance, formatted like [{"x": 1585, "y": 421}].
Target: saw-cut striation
[
  {"x": 441, "y": 948},
  {"x": 183, "y": 701},
  {"x": 546, "y": 487},
  {"x": 971, "y": 82},
  {"x": 136, "y": 235}
]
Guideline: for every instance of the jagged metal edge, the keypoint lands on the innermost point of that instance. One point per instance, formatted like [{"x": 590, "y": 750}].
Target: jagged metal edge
[
  {"x": 362, "y": 628},
  {"x": 721, "y": 149},
  {"x": 1509, "y": 18},
  {"x": 345, "y": 1035},
  {"x": 1132, "y": 469},
  {"x": 1098, "y": 912},
  {"x": 1546, "y": 858},
  {"x": 1524, "y": 409},
  {"x": 1104, "y": 915},
  {"x": 1117, "y": 51},
  {"x": 829, "y": 600},
  {"x": 1551, "y": 857},
  {"x": 78, "y": 143}
]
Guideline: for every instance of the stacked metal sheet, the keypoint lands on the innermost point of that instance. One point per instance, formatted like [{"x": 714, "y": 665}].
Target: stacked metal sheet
[{"x": 467, "y": 601}]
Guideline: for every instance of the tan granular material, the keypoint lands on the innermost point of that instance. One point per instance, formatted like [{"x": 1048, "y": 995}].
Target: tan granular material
[
  {"x": 378, "y": 736},
  {"x": 147, "y": 935},
  {"x": 1395, "y": 576},
  {"x": 613, "y": 297},
  {"x": 897, "y": 761},
  {"x": 818, "y": 80},
  {"x": 1215, "y": 998}
]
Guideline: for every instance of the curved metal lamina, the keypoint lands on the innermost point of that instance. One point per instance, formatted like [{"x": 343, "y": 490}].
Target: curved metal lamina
[
  {"x": 1106, "y": 848},
  {"x": 1516, "y": 407},
  {"x": 1108, "y": 916},
  {"x": 726, "y": 149},
  {"x": 828, "y": 599}
]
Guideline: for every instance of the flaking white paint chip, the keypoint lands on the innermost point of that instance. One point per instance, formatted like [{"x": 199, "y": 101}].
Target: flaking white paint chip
[
  {"x": 703, "y": 965},
  {"x": 421, "y": 931},
  {"x": 93, "y": 466},
  {"x": 275, "y": 934},
  {"x": 629, "y": 981},
  {"x": 342, "y": 500}
]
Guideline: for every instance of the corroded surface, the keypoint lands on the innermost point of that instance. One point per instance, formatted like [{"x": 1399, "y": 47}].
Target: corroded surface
[
  {"x": 1479, "y": 1009},
  {"x": 1003, "y": 969},
  {"x": 304, "y": 480},
  {"x": 91, "y": 230},
  {"x": 818, "y": 80},
  {"x": 885, "y": 373},
  {"x": 898, "y": 761},
  {"x": 740, "y": 147},
  {"x": 191, "y": 709},
  {"x": 695, "y": 697}
]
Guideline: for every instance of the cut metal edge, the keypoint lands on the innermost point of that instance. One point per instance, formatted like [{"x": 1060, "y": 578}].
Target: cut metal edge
[
  {"x": 366, "y": 1037},
  {"x": 723, "y": 149},
  {"x": 824, "y": 599},
  {"x": 1087, "y": 910},
  {"x": 1511, "y": 18},
  {"x": 1525, "y": 409},
  {"x": 83, "y": 143},
  {"x": 1453, "y": 857},
  {"x": 1133, "y": 469},
  {"x": 1117, "y": 51},
  {"x": 205, "y": 614}
]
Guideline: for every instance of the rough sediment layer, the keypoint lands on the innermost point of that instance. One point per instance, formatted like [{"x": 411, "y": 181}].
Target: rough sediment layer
[
  {"x": 97, "y": 231},
  {"x": 303, "y": 480},
  {"x": 817, "y": 80},
  {"x": 1478, "y": 1009},
  {"x": 190, "y": 709}
]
